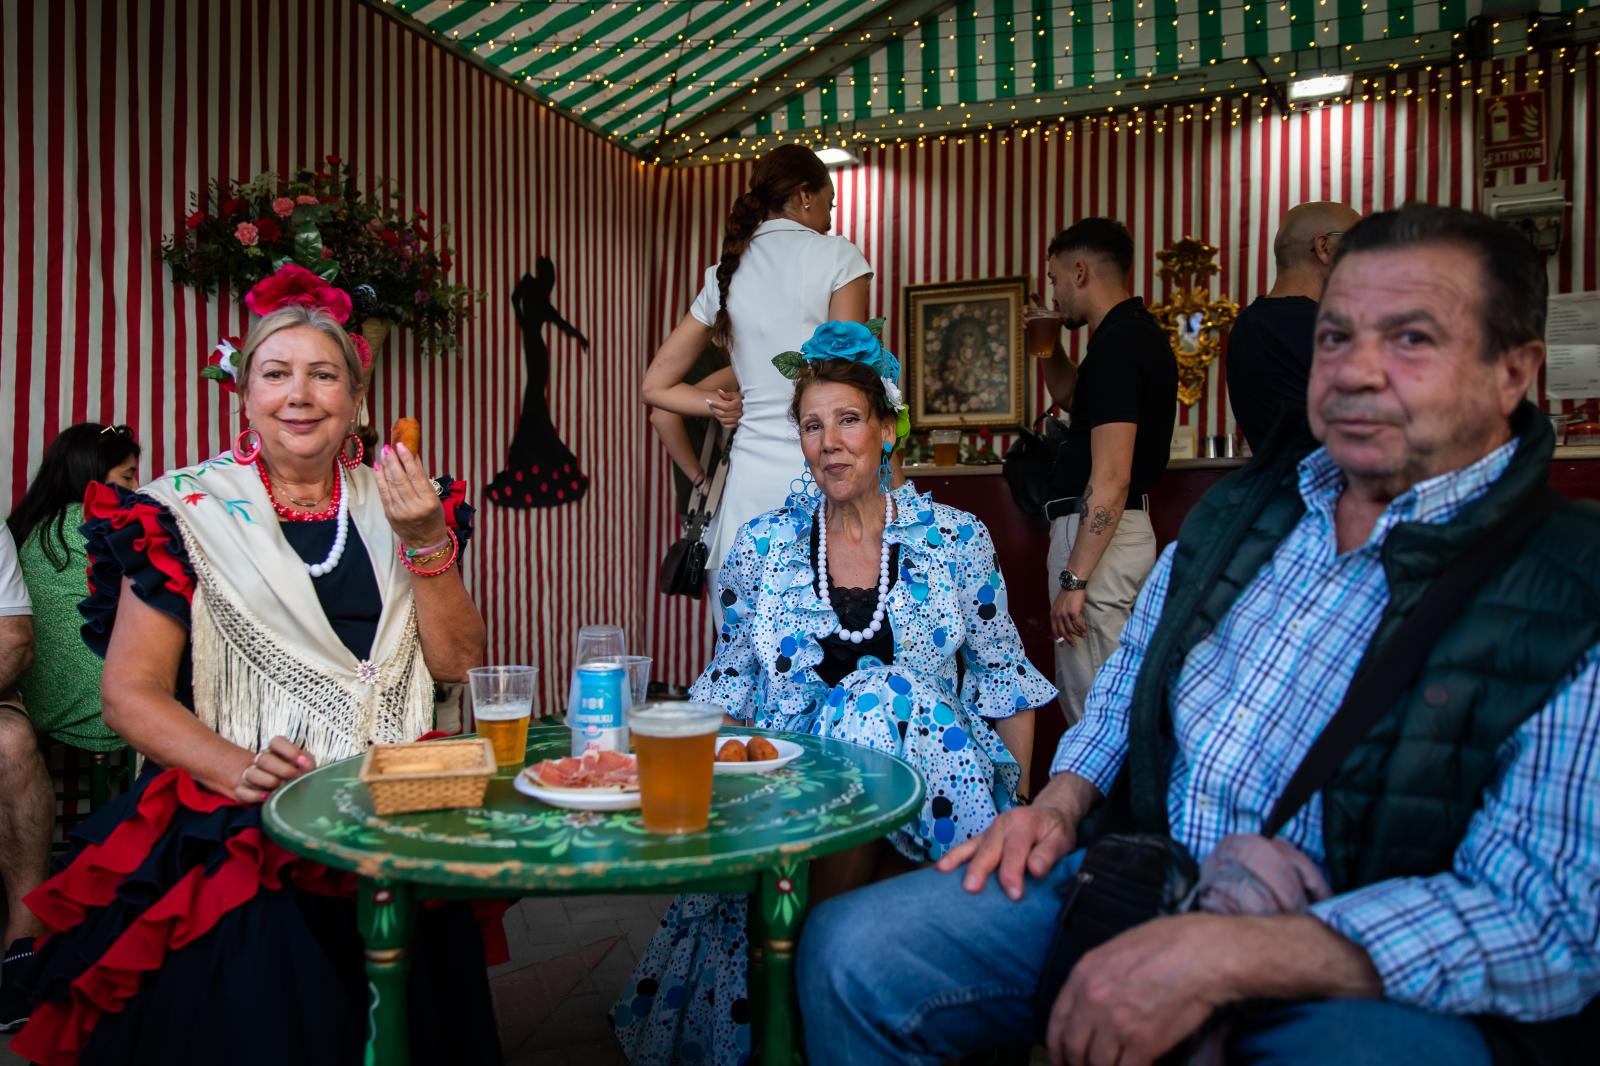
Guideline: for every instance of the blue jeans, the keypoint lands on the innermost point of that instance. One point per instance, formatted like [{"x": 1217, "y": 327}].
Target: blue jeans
[{"x": 917, "y": 970}]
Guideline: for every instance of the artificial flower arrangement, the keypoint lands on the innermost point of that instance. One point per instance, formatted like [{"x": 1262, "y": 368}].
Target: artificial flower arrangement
[
  {"x": 391, "y": 264},
  {"x": 981, "y": 452}
]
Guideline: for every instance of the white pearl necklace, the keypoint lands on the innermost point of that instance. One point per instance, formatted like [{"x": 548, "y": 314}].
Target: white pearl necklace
[
  {"x": 341, "y": 534},
  {"x": 855, "y": 636}
]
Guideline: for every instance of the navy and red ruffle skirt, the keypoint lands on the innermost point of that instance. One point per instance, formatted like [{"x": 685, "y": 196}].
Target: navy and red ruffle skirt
[{"x": 182, "y": 935}]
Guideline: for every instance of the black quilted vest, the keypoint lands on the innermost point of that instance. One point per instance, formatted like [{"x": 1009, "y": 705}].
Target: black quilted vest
[{"x": 1400, "y": 802}]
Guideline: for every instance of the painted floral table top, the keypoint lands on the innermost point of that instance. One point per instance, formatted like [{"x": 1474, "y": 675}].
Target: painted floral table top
[{"x": 834, "y": 796}]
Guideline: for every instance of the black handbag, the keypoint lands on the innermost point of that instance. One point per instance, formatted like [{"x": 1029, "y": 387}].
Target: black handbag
[
  {"x": 1127, "y": 879},
  {"x": 1030, "y": 463},
  {"x": 683, "y": 569}
]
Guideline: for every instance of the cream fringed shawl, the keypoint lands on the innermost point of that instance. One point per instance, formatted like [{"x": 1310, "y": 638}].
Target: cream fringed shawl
[{"x": 266, "y": 661}]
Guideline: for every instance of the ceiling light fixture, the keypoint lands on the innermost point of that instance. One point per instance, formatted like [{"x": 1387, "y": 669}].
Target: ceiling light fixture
[
  {"x": 838, "y": 157},
  {"x": 1319, "y": 88}
]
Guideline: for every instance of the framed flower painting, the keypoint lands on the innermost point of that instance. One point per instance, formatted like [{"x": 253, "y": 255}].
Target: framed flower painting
[{"x": 965, "y": 359}]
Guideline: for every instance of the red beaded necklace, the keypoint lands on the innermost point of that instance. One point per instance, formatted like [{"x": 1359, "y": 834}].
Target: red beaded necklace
[{"x": 288, "y": 515}]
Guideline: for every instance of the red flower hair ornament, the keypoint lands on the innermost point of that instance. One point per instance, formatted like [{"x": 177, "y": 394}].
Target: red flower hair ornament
[
  {"x": 290, "y": 285},
  {"x": 296, "y": 285}
]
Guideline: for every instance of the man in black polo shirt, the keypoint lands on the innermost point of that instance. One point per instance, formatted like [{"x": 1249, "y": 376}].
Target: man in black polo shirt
[
  {"x": 1269, "y": 346},
  {"x": 1123, "y": 399}
]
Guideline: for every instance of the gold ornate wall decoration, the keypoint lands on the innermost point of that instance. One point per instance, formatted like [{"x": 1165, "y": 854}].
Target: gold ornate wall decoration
[{"x": 1192, "y": 318}]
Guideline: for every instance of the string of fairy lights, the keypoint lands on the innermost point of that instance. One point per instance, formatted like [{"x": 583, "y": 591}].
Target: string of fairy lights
[
  {"x": 1241, "y": 100},
  {"x": 1235, "y": 107},
  {"x": 556, "y": 50}
]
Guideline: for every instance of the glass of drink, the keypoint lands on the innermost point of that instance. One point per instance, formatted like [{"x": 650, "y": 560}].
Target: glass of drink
[
  {"x": 1041, "y": 327},
  {"x": 638, "y": 668},
  {"x": 1558, "y": 424},
  {"x": 946, "y": 446},
  {"x": 676, "y": 745},
  {"x": 502, "y": 700}
]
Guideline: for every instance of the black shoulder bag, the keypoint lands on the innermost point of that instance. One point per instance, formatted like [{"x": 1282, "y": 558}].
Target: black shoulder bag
[
  {"x": 683, "y": 570},
  {"x": 1127, "y": 879},
  {"x": 1030, "y": 464}
]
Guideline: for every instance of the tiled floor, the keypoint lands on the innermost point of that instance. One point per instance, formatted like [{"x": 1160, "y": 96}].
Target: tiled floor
[{"x": 570, "y": 956}]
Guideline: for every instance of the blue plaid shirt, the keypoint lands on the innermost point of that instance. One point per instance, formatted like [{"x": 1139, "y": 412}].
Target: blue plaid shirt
[{"x": 1514, "y": 928}]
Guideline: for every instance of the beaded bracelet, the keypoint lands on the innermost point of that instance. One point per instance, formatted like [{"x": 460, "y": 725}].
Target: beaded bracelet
[{"x": 455, "y": 552}]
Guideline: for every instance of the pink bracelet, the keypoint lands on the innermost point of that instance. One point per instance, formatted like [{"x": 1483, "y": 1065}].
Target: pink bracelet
[
  {"x": 413, "y": 553},
  {"x": 455, "y": 552}
]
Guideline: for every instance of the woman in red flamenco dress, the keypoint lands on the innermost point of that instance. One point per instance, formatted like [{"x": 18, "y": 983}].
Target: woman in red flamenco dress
[{"x": 268, "y": 618}]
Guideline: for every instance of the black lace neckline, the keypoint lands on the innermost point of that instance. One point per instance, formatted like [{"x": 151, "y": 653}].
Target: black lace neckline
[{"x": 854, "y": 606}]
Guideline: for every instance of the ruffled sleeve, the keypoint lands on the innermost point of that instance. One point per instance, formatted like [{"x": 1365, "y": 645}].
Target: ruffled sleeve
[
  {"x": 734, "y": 680},
  {"x": 134, "y": 537},
  {"x": 999, "y": 681},
  {"x": 457, "y": 511}
]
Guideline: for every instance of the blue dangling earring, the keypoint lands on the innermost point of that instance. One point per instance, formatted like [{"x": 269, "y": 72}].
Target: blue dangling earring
[
  {"x": 885, "y": 471},
  {"x": 804, "y": 485}
]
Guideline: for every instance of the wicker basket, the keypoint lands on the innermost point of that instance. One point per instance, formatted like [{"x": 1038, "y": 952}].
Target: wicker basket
[{"x": 431, "y": 776}]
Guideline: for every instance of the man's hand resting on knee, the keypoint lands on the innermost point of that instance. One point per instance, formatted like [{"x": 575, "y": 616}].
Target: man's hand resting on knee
[
  {"x": 1027, "y": 840},
  {"x": 1140, "y": 994}
]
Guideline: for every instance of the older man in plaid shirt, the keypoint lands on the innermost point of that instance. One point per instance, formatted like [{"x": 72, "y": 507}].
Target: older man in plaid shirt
[{"x": 1461, "y": 840}]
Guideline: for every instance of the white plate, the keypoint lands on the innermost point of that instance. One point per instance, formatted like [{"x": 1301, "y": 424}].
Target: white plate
[
  {"x": 788, "y": 752},
  {"x": 576, "y": 799}
]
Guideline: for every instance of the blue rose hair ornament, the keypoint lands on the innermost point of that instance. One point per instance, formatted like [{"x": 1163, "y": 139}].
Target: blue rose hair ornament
[{"x": 859, "y": 344}]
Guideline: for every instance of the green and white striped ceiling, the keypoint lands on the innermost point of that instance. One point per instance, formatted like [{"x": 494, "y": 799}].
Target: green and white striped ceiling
[{"x": 665, "y": 79}]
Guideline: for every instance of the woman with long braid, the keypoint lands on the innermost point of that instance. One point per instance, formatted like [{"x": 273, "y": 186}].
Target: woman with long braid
[{"x": 779, "y": 278}]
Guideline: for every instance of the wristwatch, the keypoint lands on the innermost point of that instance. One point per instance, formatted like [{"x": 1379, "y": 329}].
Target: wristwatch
[{"x": 1071, "y": 582}]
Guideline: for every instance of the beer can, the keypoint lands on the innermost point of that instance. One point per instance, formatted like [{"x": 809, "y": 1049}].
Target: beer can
[{"x": 598, "y": 719}]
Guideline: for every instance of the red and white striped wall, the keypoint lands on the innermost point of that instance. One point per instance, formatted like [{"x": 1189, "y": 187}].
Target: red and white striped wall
[
  {"x": 987, "y": 206},
  {"x": 114, "y": 112}
]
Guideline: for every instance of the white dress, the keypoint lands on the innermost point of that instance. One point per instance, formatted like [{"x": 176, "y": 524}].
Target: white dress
[{"x": 777, "y": 299}]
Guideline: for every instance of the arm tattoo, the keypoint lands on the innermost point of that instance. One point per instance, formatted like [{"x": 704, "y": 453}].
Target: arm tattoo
[{"x": 1101, "y": 521}]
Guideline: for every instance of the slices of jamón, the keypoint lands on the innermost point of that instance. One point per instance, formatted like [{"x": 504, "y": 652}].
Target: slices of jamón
[{"x": 609, "y": 770}]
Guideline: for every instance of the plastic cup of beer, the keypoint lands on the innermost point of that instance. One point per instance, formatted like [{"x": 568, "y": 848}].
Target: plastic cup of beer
[
  {"x": 676, "y": 746},
  {"x": 1041, "y": 328},
  {"x": 502, "y": 701}
]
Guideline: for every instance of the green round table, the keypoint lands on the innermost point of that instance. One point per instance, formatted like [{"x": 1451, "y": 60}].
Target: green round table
[{"x": 764, "y": 830}]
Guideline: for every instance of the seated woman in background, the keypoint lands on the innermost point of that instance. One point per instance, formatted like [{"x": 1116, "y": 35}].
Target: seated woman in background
[
  {"x": 275, "y": 608},
  {"x": 845, "y": 612},
  {"x": 62, "y": 690}
]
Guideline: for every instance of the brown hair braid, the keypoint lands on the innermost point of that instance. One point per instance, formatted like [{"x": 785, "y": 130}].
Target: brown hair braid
[{"x": 779, "y": 174}]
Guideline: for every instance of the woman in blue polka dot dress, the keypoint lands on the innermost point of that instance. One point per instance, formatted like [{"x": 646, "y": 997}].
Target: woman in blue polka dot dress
[{"x": 846, "y": 613}]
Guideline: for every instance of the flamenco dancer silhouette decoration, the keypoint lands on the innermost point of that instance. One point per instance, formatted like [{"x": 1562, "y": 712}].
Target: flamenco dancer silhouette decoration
[{"x": 540, "y": 470}]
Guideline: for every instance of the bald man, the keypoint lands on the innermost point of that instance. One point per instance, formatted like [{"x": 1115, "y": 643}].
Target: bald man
[{"x": 1269, "y": 346}]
